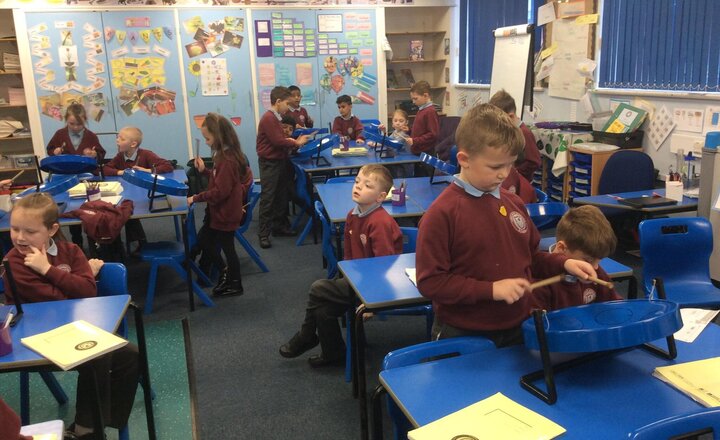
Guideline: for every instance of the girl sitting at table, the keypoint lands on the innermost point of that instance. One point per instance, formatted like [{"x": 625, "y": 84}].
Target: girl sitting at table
[{"x": 45, "y": 267}]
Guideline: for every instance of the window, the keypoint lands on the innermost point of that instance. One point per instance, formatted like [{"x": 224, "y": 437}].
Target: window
[
  {"x": 478, "y": 18},
  {"x": 660, "y": 44}
]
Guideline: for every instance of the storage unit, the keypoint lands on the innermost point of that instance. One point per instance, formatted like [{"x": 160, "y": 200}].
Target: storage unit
[{"x": 584, "y": 170}]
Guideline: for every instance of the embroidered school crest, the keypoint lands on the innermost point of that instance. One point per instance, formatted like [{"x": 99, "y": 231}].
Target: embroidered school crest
[
  {"x": 64, "y": 267},
  {"x": 589, "y": 295},
  {"x": 512, "y": 189},
  {"x": 350, "y": 130},
  {"x": 363, "y": 239},
  {"x": 518, "y": 222}
]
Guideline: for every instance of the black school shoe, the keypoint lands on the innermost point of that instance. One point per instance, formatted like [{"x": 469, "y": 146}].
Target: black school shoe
[
  {"x": 320, "y": 360},
  {"x": 265, "y": 242},
  {"x": 297, "y": 345},
  {"x": 69, "y": 434},
  {"x": 229, "y": 288}
]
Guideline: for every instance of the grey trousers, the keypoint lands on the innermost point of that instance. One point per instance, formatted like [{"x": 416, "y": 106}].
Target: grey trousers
[{"x": 327, "y": 301}]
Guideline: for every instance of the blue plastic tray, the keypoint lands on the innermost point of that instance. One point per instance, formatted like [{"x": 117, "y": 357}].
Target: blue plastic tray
[
  {"x": 304, "y": 131},
  {"x": 165, "y": 185},
  {"x": 54, "y": 187},
  {"x": 378, "y": 138},
  {"x": 311, "y": 148},
  {"x": 68, "y": 164},
  {"x": 606, "y": 326}
]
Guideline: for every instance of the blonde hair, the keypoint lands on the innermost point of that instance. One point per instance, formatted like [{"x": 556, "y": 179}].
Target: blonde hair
[
  {"x": 380, "y": 173},
  {"x": 586, "y": 229},
  {"x": 135, "y": 134},
  {"x": 45, "y": 205},
  {"x": 486, "y": 126},
  {"x": 401, "y": 112}
]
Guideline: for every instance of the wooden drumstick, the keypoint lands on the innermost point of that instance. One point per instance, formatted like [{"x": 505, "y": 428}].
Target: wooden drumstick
[
  {"x": 604, "y": 283},
  {"x": 547, "y": 281}
]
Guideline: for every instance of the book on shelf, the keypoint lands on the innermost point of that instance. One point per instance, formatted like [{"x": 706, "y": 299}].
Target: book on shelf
[
  {"x": 408, "y": 75},
  {"x": 697, "y": 379},
  {"x": 72, "y": 344},
  {"x": 392, "y": 82},
  {"x": 417, "y": 52},
  {"x": 494, "y": 417}
]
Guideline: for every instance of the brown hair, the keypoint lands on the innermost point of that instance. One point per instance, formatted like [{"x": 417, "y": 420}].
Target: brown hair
[
  {"x": 420, "y": 87},
  {"x": 46, "y": 206},
  {"x": 226, "y": 145},
  {"x": 279, "y": 92},
  {"x": 135, "y": 134},
  {"x": 402, "y": 112},
  {"x": 78, "y": 111},
  {"x": 486, "y": 126},
  {"x": 586, "y": 229},
  {"x": 503, "y": 101},
  {"x": 381, "y": 174}
]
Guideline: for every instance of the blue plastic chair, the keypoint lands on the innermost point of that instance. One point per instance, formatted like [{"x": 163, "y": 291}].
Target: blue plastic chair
[
  {"x": 541, "y": 195},
  {"x": 306, "y": 199},
  {"x": 546, "y": 215},
  {"x": 452, "y": 160},
  {"x": 626, "y": 171},
  {"x": 172, "y": 253},
  {"x": 678, "y": 251},
  {"x": 680, "y": 425},
  {"x": 328, "y": 251},
  {"x": 371, "y": 125},
  {"x": 426, "y": 352},
  {"x": 253, "y": 197}
]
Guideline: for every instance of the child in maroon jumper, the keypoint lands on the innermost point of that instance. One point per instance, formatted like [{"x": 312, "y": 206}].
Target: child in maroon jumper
[
  {"x": 295, "y": 111},
  {"x": 516, "y": 184},
  {"x": 347, "y": 125},
  {"x": 47, "y": 268},
  {"x": 477, "y": 248},
  {"x": 75, "y": 138},
  {"x": 273, "y": 150},
  {"x": 369, "y": 232},
  {"x": 426, "y": 127},
  {"x": 585, "y": 234},
  {"x": 230, "y": 180},
  {"x": 529, "y": 159}
]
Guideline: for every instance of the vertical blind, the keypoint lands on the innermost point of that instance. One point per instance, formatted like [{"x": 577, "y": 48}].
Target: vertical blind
[
  {"x": 478, "y": 18},
  {"x": 661, "y": 44}
]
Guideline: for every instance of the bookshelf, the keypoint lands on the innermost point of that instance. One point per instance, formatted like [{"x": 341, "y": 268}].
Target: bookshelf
[
  {"x": 11, "y": 78},
  {"x": 429, "y": 24}
]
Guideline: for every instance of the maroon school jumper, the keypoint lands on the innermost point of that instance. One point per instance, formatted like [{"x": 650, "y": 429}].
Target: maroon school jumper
[
  {"x": 567, "y": 294},
  {"x": 226, "y": 194},
  {"x": 300, "y": 116},
  {"x": 373, "y": 235},
  {"x": 61, "y": 139},
  {"x": 69, "y": 277},
  {"x": 144, "y": 158},
  {"x": 464, "y": 244},
  {"x": 351, "y": 127},
  {"x": 425, "y": 130},
  {"x": 516, "y": 184},
  {"x": 532, "y": 155},
  {"x": 271, "y": 142}
]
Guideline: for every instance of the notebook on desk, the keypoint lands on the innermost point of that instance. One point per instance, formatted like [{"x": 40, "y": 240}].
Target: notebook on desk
[{"x": 647, "y": 202}]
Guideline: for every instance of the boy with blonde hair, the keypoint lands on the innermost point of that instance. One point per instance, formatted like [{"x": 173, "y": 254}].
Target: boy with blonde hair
[
  {"x": 477, "y": 247},
  {"x": 369, "y": 232}
]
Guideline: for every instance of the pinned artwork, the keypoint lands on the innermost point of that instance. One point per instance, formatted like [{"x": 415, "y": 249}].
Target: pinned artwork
[{"x": 660, "y": 127}]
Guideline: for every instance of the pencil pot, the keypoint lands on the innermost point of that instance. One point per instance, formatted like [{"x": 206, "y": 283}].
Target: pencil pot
[
  {"x": 398, "y": 197},
  {"x": 5, "y": 341},
  {"x": 93, "y": 194}
]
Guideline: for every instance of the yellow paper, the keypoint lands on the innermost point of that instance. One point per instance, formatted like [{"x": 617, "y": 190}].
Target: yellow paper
[
  {"x": 587, "y": 19},
  {"x": 549, "y": 51},
  {"x": 699, "y": 379},
  {"x": 616, "y": 127},
  {"x": 106, "y": 189},
  {"x": 496, "y": 417},
  {"x": 354, "y": 151},
  {"x": 145, "y": 35}
]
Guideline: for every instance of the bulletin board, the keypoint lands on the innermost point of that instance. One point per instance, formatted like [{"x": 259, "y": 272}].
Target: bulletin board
[{"x": 215, "y": 57}]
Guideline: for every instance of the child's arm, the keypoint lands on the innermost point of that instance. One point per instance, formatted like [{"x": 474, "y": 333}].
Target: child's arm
[
  {"x": 150, "y": 159},
  {"x": 115, "y": 166},
  {"x": 56, "y": 145},
  {"x": 336, "y": 127},
  {"x": 423, "y": 138},
  {"x": 226, "y": 178},
  {"x": 358, "y": 130},
  {"x": 79, "y": 282},
  {"x": 383, "y": 237},
  {"x": 91, "y": 146}
]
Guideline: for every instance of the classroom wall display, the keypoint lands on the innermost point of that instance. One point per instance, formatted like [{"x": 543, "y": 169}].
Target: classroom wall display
[
  {"x": 211, "y": 38},
  {"x": 70, "y": 66},
  {"x": 571, "y": 42},
  {"x": 70, "y": 4},
  {"x": 325, "y": 53}
]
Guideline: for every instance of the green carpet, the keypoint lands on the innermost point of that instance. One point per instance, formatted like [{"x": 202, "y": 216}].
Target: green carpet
[{"x": 169, "y": 378}]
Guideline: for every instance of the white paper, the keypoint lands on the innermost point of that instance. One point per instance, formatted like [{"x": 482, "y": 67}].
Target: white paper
[
  {"x": 262, "y": 27},
  {"x": 410, "y": 272},
  {"x": 572, "y": 42},
  {"x": 712, "y": 119},
  {"x": 661, "y": 125},
  {"x": 587, "y": 67},
  {"x": 213, "y": 76},
  {"x": 546, "y": 13},
  {"x": 694, "y": 322},
  {"x": 545, "y": 68},
  {"x": 329, "y": 23},
  {"x": 689, "y": 119}
]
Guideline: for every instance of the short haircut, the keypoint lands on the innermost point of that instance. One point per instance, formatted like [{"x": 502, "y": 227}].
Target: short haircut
[
  {"x": 288, "y": 120},
  {"x": 503, "y": 101},
  {"x": 78, "y": 111},
  {"x": 486, "y": 126},
  {"x": 420, "y": 88},
  {"x": 294, "y": 88},
  {"x": 279, "y": 93},
  {"x": 133, "y": 133},
  {"x": 586, "y": 229},
  {"x": 380, "y": 173},
  {"x": 343, "y": 98},
  {"x": 401, "y": 112}
]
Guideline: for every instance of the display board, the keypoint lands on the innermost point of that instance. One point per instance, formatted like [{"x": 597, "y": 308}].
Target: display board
[{"x": 513, "y": 64}]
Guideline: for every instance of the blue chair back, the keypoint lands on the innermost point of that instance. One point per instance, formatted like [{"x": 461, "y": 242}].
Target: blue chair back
[
  {"x": 327, "y": 248},
  {"x": 112, "y": 280},
  {"x": 371, "y": 125},
  {"x": 301, "y": 186},
  {"x": 253, "y": 197},
  {"x": 541, "y": 195},
  {"x": 681, "y": 425},
  {"x": 627, "y": 171},
  {"x": 438, "y": 164},
  {"x": 452, "y": 160},
  {"x": 409, "y": 239},
  {"x": 546, "y": 215}
]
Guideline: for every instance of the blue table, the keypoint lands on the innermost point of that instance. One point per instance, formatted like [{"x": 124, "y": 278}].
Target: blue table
[
  {"x": 602, "y": 399},
  {"x": 608, "y": 201},
  {"x": 337, "y": 163},
  {"x": 105, "y": 312}
]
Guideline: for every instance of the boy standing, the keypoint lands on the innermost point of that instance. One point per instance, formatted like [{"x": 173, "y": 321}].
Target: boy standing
[
  {"x": 347, "y": 125},
  {"x": 477, "y": 247},
  {"x": 583, "y": 233},
  {"x": 369, "y": 232},
  {"x": 529, "y": 159},
  {"x": 273, "y": 150},
  {"x": 425, "y": 129},
  {"x": 295, "y": 111}
]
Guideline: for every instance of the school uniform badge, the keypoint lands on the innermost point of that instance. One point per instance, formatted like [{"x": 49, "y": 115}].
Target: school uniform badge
[
  {"x": 363, "y": 239},
  {"x": 64, "y": 267},
  {"x": 518, "y": 222},
  {"x": 589, "y": 295}
]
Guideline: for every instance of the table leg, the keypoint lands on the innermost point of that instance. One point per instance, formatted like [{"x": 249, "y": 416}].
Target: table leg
[
  {"x": 376, "y": 402},
  {"x": 310, "y": 192},
  {"x": 359, "y": 341},
  {"x": 186, "y": 264},
  {"x": 144, "y": 371}
]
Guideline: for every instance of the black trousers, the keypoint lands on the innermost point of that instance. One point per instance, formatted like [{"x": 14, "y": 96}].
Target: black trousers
[
  {"x": 275, "y": 179},
  {"x": 211, "y": 242},
  {"x": 117, "y": 377},
  {"x": 327, "y": 301},
  {"x": 501, "y": 338}
]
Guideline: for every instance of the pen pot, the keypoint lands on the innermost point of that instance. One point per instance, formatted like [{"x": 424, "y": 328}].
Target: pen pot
[
  {"x": 5, "y": 341},
  {"x": 398, "y": 197},
  {"x": 345, "y": 144},
  {"x": 93, "y": 194}
]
